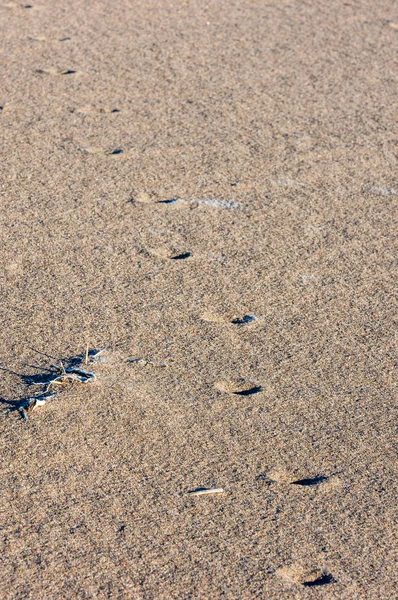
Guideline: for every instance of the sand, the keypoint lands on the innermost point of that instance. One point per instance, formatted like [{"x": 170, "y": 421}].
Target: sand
[{"x": 171, "y": 169}]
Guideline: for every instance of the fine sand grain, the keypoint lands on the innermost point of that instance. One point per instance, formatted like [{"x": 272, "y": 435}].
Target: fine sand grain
[{"x": 207, "y": 187}]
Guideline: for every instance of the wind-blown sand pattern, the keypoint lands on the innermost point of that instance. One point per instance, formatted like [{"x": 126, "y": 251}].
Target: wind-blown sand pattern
[{"x": 207, "y": 192}]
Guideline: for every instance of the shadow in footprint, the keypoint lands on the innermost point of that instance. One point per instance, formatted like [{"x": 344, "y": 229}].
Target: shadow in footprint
[
  {"x": 228, "y": 318},
  {"x": 307, "y": 577},
  {"x": 171, "y": 201},
  {"x": 238, "y": 387},
  {"x": 182, "y": 256},
  {"x": 116, "y": 151},
  {"x": 244, "y": 320},
  {"x": 311, "y": 481},
  {"x": 324, "y": 579},
  {"x": 254, "y": 390}
]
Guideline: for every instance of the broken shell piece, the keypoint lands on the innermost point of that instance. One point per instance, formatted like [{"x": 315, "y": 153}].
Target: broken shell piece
[{"x": 203, "y": 491}]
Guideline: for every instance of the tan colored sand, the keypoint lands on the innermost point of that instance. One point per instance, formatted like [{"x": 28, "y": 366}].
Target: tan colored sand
[{"x": 259, "y": 139}]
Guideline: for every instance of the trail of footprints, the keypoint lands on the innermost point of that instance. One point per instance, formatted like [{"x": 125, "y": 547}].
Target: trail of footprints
[{"x": 308, "y": 577}]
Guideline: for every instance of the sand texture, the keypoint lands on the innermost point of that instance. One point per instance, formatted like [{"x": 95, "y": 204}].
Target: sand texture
[{"x": 205, "y": 190}]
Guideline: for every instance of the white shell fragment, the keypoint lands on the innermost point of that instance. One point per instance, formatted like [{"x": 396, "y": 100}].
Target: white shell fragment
[{"x": 203, "y": 491}]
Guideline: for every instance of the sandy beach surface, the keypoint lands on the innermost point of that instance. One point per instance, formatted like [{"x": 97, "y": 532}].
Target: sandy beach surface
[{"x": 206, "y": 191}]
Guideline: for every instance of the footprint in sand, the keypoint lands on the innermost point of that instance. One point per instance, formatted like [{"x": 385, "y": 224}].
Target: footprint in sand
[
  {"x": 281, "y": 476},
  {"x": 238, "y": 386},
  {"x": 170, "y": 253},
  {"x": 54, "y": 71},
  {"x": 306, "y": 576},
  {"x": 153, "y": 198},
  {"x": 95, "y": 110},
  {"x": 230, "y": 319},
  {"x": 94, "y": 150},
  {"x": 42, "y": 38},
  {"x": 19, "y": 6}
]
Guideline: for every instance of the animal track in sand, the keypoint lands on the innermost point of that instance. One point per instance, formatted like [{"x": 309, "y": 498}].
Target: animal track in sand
[
  {"x": 18, "y": 5},
  {"x": 229, "y": 319},
  {"x": 42, "y": 38},
  {"x": 308, "y": 577},
  {"x": 238, "y": 386},
  {"x": 170, "y": 253},
  {"x": 54, "y": 71},
  {"x": 145, "y": 362},
  {"x": 6, "y": 107},
  {"x": 95, "y": 110},
  {"x": 153, "y": 198},
  {"x": 281, "y": 476},
  {"x": 94, "y": 150}
]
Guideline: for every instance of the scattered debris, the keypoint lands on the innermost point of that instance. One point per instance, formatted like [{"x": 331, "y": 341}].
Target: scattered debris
[
  {"x": 70, "y": 374},
  {"x": 57, "y": 374},
  {"x": 144, "y": 362},
  {"x": 95, "y": 356},
  {"x": 30, "y": 404},
  {"x": 203, "y": 491}
]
